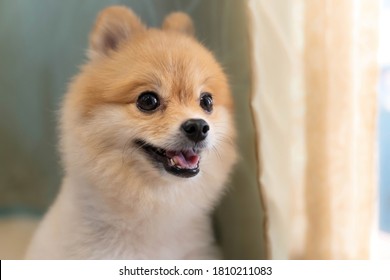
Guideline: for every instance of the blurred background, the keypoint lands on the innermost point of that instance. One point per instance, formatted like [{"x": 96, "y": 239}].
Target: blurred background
[
  {"x": 384, "y": 129},
  {"x": 384, "y": 116},
  {"x": 311, "y": 82}
]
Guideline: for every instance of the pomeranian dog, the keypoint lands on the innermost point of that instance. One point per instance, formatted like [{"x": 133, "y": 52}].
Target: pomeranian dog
[{"x": 147, "y": 143}]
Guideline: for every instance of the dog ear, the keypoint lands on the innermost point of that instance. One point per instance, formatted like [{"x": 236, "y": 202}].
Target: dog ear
[
  {"x": 179, "y": 22},
  {"x": 114, "y": 25}
]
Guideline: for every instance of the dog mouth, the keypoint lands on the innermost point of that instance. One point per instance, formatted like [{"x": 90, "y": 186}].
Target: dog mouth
[{"x": 182, "y": 163}]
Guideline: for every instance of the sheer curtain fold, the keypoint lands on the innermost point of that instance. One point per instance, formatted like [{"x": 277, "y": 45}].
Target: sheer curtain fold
[{"x": 314, "y": 104}]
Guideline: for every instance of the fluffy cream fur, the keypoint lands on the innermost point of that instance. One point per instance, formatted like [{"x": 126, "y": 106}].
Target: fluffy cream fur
[{"x": 114, "y": 203}]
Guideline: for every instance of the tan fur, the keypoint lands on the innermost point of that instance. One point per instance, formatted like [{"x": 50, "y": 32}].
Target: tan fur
[
  {"x": 179, "y": 22},
  {"x": 113, "y": 203}
]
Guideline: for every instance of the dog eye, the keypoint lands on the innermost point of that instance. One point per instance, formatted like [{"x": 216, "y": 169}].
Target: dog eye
[
  {"x": 148, "y": 101},
  {"x": 206, "y": 102}
]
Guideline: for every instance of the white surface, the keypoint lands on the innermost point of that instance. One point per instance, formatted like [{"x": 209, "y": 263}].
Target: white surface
[
  {"x": 381, "y": 246},
  {"x": 15, "y": 234}
]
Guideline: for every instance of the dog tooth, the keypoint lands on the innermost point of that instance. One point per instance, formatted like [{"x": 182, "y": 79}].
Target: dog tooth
[{"x": 176, "y": 163}]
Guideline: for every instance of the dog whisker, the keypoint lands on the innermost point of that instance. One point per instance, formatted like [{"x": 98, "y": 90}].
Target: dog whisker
[
  {"x": 126, "y": 146},
  {"x": 216, "y": 152},
  {"x": 224, "y": 139}
]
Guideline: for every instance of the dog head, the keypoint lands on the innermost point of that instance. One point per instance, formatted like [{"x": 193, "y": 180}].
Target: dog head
[{"x": 150, "y": 102}]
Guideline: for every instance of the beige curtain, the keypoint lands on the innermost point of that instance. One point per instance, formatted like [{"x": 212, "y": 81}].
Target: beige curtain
[{"x": 314, "y": 105}]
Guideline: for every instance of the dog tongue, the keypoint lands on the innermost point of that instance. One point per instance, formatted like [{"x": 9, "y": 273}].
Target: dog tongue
[{"x": 187, "y": 159}]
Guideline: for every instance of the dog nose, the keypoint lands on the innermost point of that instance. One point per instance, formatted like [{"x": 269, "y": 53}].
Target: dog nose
[{"x": 195, "y": 129}]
